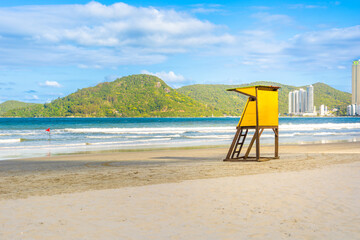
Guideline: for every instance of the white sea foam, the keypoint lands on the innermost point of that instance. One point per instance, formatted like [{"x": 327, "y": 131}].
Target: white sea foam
[
  {"x": 210, "y": 137},
  {"x": 229, "y": 129},
  {"x": 154, "y": 136},
  {"x": 171, "y": 130},
  {"x": 311, "y": 127},
  {"x": 14, "y": 140},
  {"x": 85, "y": 144},
  {"x": 174, "y": 136},
  {"x": 131, "y": 142},
  {"x": 17, "y": 133},
  {"x": 100, "y": 137},
  {"x": 327, "y": 133}
]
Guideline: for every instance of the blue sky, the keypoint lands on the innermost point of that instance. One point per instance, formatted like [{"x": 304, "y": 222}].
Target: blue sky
[{"x": 49, "y": 49}]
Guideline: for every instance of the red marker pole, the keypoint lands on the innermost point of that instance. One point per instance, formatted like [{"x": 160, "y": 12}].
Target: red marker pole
[{"x": 48, "y": 130}]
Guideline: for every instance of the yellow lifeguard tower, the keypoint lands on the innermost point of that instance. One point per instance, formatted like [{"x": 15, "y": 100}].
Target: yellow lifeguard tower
[{"x": 261, "y": 112}]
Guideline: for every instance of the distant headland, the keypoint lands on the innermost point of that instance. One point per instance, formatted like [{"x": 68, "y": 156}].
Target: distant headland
[{"x": 145, "y": 95}]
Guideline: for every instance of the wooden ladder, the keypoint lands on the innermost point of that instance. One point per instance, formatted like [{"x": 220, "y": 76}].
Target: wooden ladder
[{"x": 239, "y": 143}]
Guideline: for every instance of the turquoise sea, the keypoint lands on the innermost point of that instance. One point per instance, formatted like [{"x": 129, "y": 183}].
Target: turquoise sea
[{"x": 26, "y": 137}]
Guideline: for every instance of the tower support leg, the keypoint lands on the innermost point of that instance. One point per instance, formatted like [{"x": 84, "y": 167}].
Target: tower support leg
[
  {"x": 276, "y": 131},
  {"x": 233, "y": 144}
]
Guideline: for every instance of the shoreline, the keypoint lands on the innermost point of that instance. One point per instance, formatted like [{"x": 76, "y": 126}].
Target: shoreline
[
  {"x": 281, "y": 116},
  {"x": 161, "y": 148},
  {"x": 336, "y": 146},
  {"x": 54, "y": 175},
  {"x": 225, "y": 146}
]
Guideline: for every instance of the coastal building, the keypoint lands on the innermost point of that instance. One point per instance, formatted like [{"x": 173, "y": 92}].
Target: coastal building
[
  {"x": 353, "y": 109},
  {"x": 301, "y": 101},
  {"x": 356, "y": 83},
  {"x": 323, "y": 110},
  {"x": 349, "y": 110},
  {"x": 296, "y": 102},
  {"x": 310, "y": 99},
  {"x": 290, "y": 101}
]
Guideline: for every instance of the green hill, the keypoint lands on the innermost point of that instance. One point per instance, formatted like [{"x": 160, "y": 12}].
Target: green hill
[
  {"x": 132, "y": 96},
  {"x": 232, "y": 103},
  {"x": 148, "y": 96},
  {"x": 331, "y": 97},
  {"x": 10, "y": 105}
]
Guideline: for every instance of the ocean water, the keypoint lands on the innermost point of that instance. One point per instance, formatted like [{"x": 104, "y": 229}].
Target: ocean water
[{"x": 26, "y": 137}]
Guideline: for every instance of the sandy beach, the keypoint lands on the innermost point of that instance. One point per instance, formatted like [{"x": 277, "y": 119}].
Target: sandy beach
[{"x": 311, "y": 192}]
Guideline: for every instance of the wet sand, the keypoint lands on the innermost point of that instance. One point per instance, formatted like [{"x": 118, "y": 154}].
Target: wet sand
[
  {"x": 83, "y": 172},
  {"x": 311, "y": 192}
]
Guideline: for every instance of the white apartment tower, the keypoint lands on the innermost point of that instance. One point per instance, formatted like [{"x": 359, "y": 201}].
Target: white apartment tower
[
  {"x": 290, "y": 101},
  {"x": 293, "y": 102},
  {"x": 310, "y": 99},
  {"x": 296, "y": 102},
  {"x": 323, "y": 110},
  {"x": 301, "y": 101},
  {"x": 356, "y": 83},
  {"x": 354, "y": 108}
]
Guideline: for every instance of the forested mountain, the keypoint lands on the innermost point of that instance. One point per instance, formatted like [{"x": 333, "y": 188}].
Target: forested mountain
[
  {"x": 331, "y": 97},
  {"x": 232, "y": 103},
  {"x": 132, "y": 96},
  {"x": 10, "y": 105},
  {"x": 148, "y": 96}
]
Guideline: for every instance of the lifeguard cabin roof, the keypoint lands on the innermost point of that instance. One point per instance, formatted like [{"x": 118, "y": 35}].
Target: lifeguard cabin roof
[
  {"x": 251, "y": 90},
  {"x": 263, "y": 87}
]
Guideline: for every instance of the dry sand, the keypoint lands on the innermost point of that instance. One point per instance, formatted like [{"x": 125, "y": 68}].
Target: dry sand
[{"x": 311, "y": 192}]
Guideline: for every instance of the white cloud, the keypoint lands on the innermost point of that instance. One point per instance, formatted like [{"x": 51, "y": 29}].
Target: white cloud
[
  {"x": 261, "y": 8},
  {"x": 169, "y": 77},
  {"x": 305, "y": 6},
  {"x": 272, "y": 18},
  {"x": 207, "y": 8},
  {"x": 32, "y": 97},
  {"x": 326, "y": 49},
  {"x": 340, "y": 35},
  {"x": 111, "y": 78},
  {"x": 50, "y": 84},
  {"x": 99, "y": 35}
]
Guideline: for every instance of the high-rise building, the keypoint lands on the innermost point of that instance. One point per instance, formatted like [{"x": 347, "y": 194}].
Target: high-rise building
[
  {"x": 354, "y": 108},
  {"x": 323, "y": 110},
  {"x": 310, "y": 99},
  {"x": 356, "y": 83},
  {"x": 293, "y": 102},
  {"x": 296, "y": 101},
  {"x": 301, "y": 101}
]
